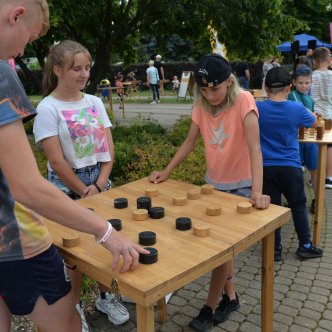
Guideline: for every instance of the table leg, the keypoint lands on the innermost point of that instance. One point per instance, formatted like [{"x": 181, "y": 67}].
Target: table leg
[
  {"x": 267, "y": 283},
  {"x": 162, "y": 310},
  {"x": 123, "y": 108},
  {"x": 144, "y": 318},
  {"x": 320, "y": 192},
  {"x": 110, "y": 99}
]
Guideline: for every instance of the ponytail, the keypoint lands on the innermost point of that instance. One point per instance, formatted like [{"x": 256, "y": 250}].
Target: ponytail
[{"x": 61, "y": 55}]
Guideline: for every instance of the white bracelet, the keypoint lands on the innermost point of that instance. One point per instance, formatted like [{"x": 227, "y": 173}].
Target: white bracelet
[{"x": 106, "y": 235}]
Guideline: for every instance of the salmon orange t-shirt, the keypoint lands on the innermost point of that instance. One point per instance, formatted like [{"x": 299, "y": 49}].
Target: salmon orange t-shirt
[{"x": 226, "y": 150}]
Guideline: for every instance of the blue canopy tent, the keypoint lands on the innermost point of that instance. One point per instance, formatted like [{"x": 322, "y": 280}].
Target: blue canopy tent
[{"x": 303, "y": 39}]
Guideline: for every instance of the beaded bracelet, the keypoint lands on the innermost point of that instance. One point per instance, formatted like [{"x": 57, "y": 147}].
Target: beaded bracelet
[
  {"x": 98, "y": 188},
  {"x": 106, "y": 235}
]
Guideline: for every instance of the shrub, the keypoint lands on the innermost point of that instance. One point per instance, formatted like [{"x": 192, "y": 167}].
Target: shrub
[
  {"x": 142, "y": 148},
  {"x": 145, "y": 147},
  {"x": 177, "y": 134}
]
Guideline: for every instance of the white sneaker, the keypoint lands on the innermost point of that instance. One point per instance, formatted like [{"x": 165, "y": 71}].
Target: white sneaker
[
  {"x": 158, "y": 101},
  {"x": 113, "y": 308},
  {"x": 153, "y": 102},
  {"x": 85, "y": 325}
]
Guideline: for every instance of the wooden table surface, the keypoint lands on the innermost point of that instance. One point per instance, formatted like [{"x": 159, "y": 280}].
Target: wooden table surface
[
  {"x": 321, "y": 175},
  {"x": 183, "y": 257},
  {"x": 259, "y": 93}
]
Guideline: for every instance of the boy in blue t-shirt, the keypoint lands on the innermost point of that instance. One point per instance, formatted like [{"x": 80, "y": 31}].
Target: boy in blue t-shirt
[
  {"x": 279, "y": 121},
  {"x": 308, "y": 151}
]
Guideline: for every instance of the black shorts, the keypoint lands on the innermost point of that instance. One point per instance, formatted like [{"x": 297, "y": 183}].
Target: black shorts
[{"x": 23, "y": 282}]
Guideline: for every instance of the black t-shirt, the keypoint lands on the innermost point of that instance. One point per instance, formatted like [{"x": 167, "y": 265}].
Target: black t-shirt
[
  {"x": 240, "y": 69},
  {"x": 158, "y": 65}
]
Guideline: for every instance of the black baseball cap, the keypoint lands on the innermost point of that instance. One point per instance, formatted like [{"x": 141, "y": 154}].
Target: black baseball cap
[
  {"x": 277, "y": 77},
  {"x": 211, "y": 70}
]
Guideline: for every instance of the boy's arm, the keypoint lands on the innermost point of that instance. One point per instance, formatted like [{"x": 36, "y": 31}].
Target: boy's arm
[
  {"x": 251, "y": 128},
  {"x": 28, "y": 187}
]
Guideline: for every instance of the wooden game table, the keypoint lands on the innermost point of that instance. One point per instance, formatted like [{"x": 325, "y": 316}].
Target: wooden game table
[
  {"x": 131, "y": 88},
  {"x": 321, "y": 175},
  {"x": 110, "y": 96},
  {"x": 183, "y": 257}
]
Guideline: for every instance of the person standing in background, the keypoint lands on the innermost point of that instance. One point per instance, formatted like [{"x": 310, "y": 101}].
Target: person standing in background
[
  {"x": 268, "y": 64},
  {"x": 159, "y": 66},
  {"x": 308, "y": 55},
  {"x": 321, "y": 92},
  {"x": 243, "y": 75},
  {"x": 152, "y": 78}
]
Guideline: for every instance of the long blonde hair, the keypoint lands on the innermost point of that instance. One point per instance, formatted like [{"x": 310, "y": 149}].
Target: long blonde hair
[
  {"x": 232, "y": 93},
  {"x": 61, "y": 55}
]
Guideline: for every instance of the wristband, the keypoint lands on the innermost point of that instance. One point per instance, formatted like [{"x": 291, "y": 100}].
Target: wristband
[
  {"x": 106, "y": 235},
  {"x": 98, "y": 188}
]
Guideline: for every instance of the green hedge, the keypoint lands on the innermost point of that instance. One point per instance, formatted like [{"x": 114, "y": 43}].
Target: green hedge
[{"x": 142, "y": 148}]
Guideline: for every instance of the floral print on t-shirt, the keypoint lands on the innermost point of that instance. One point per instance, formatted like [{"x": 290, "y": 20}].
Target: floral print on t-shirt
[{"x": 86, "y": 130}]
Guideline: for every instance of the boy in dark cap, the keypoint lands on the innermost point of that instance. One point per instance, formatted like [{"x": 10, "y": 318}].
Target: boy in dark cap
[{"x": 279, "y": 121}]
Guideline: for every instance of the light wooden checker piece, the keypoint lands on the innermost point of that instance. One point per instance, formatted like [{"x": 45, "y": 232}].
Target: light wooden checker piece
[
  {"x": 140, "y": 214},
  {"x": 71, "y": 240},
  {"x": 179, "y": 200},
  {"x": 213, "y": 210},
  {"x": 201, "y": 230},
  {"x": 244, "y": 207},
  {"x": 207, "y": 189},
  {"x": 194, "y": 194},
  {"x": 151, "y": 192}
]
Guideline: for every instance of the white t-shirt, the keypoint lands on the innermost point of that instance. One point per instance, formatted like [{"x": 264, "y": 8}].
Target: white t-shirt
[
  {"x": 321, "y": 92},
  {"x": 80, "y": 127}
]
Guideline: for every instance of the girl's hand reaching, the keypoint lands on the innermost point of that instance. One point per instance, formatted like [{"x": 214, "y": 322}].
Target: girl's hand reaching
[
  {"x": 260, "y": 201},
  {"x": 157, "y": 177}
]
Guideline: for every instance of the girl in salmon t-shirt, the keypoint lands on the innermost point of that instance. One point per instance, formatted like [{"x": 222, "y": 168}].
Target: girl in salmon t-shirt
[{"x": 227, "y": 119}]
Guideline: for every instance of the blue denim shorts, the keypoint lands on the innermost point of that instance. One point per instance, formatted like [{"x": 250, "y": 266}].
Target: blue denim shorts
[
  {"x": 243, "y": 192},
  {"x": 88, "y": 175},
  {"x": 22, "y": 282}
]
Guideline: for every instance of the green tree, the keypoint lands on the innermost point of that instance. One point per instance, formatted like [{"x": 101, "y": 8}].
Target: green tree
[
  {"x": 315, "y": 14},
  {"x": 108, "y": 28}
]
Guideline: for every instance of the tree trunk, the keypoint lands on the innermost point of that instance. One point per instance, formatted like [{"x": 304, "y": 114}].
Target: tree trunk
[{"x": 99, "y": 69}]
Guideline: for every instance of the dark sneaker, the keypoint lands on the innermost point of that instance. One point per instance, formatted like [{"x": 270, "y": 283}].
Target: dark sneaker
[
  {"x": 225, "y": 307},
  {"x": 312, "y": 207},
  {"x": 328, "y": 183},
  {"x": 204, "y": 321},
  {"x": 308, "y": 250}
]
